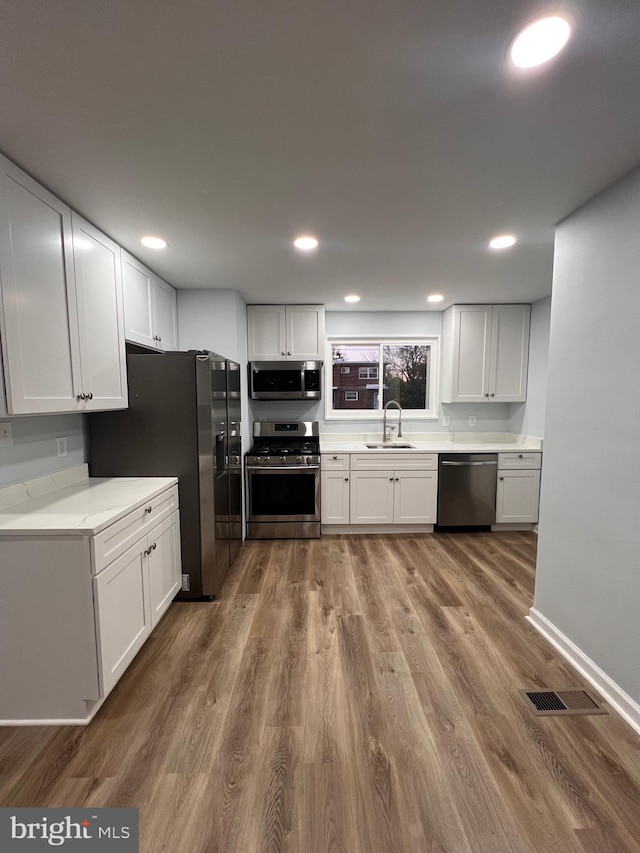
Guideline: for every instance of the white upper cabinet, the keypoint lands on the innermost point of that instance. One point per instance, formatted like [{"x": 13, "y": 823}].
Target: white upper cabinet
[
  {"x": 150, "y": 307},
  {"x": 485, "y": 353},
  {"x": 165, "y": 314},
  {"x": 100, "y": 318},
  {"x": 285, "y": 332},
  {"x": 38, "y": 323}
]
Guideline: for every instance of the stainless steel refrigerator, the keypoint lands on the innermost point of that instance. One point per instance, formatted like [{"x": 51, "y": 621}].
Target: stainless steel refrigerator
[{"x": 184, "y": 419}]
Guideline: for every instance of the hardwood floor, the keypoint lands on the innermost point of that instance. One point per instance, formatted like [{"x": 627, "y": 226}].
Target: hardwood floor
[{"x": 348, "y": 695}]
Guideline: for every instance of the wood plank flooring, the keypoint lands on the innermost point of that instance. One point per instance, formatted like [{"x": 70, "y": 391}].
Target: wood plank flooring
[{"x": 348, "y": 695}]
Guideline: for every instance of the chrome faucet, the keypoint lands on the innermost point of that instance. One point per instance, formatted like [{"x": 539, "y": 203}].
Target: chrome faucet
[{"x": 386, "y": 437}]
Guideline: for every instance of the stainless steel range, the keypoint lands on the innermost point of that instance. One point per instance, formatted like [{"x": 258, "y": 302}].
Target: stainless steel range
[{"x": 283, "y": 481}]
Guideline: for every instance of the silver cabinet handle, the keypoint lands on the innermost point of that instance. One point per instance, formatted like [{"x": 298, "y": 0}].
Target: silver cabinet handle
[
  {"x": 148, "y": 509},
  {"x": 466, "y": 464},
  {"x": 81, "y": 397}
]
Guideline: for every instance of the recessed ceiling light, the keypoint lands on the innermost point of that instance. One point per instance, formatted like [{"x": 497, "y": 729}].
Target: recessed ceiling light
[
  {"x": 352, "y": 297},
  {"x": 154, "y": 242},
  {"x": 435, "y": 297},
  {"x": 540, "y": 41},
  {"x": 306, "y": 243},
  {"x": 502, "y": 241}
]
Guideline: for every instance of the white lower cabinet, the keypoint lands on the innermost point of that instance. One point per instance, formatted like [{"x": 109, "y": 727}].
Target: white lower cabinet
[
  {"x": 130, "y": 596},
  {"x": 78, "y": 606},
  {"x": 379, "y": 489},
  {"x": 123, "y": 618},
  {"x": 334, "y": 491},
  {"x": 517, "y": 496},
  {"x": 394, "y": 497}
]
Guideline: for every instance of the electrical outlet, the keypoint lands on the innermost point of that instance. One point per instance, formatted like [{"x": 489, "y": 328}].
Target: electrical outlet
[
  {"x": 446, "y": 420},
  {"x": 186, "y": 583},
  {"x": 472, "y": 420},
  {"x": 6, "y": 433},
  {"x": 62, "y": 445}
]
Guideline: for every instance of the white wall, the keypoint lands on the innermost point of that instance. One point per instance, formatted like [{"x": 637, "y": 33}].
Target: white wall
[
  {"x": 489, "y": 418},
  {"x": 588, "y": 574},
  {"x": 528, "y": 418},
  {"x": 34, "y": 450}
]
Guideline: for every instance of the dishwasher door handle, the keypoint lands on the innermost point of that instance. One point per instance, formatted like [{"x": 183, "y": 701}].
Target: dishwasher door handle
[{"x": 467, "y": 464}]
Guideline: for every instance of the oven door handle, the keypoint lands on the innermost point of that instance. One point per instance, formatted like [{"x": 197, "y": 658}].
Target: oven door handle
[{"x": 294, "y": 468}]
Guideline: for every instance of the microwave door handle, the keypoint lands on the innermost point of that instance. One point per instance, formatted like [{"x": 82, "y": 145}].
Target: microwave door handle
[{"x": 302, "y": 384}]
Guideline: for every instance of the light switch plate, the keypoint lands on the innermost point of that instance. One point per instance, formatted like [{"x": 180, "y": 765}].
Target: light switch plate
[
  {"x": 446, "y": 420},
  {"x": 6, "y": 433},
  {"x": 472, "y": 420},
  {"x": 62, "y": 445}
]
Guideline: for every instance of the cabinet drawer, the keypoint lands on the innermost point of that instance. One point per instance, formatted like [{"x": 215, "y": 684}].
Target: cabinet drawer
[
  {"x": 110, "y": 543},
  {"x": 394, "y": 460},
  {"x": 511, "y": 461},
  {"x": 335, "y": 461}
]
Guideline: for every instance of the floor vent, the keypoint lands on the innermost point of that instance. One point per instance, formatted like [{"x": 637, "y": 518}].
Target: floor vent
[{"x": 548, "y": 703}]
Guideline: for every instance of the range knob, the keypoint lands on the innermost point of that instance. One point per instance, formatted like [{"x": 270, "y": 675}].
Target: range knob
[
  {"x": 283, "y": 459},
  {"x": 299, "y": 459}
]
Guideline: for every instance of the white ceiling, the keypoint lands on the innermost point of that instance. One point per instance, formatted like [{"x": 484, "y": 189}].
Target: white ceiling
[{"x": 394, "y": 131}]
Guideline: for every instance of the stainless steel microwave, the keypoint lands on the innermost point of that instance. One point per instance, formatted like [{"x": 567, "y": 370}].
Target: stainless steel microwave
[{"x": 285, "y": 380}]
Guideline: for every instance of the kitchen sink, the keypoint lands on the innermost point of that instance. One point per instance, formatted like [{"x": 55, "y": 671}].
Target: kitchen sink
[{"x": 390, "y": 446}]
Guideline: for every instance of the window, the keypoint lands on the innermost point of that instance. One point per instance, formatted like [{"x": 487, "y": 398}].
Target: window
[
  {"x": 408, "y": 368},
  {"x": 367, "y": 373}
]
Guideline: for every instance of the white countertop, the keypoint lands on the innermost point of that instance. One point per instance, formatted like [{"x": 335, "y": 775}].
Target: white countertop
[
  {"x": 86, "y": 507},
  {"x": 327, "y": 446}
]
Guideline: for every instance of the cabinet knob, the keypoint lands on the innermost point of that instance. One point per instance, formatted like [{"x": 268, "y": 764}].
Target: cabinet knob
[
  {"x": 501, "y": 478},
  {"x": 346, "y": 479},
  {"x": 283, "y": 353},
  {"x": 334, "y": 457},
  {"x": 147, "y": 551},
  {"x": 520, "y": 456},
  {"x": 90, "y": 395},
  {"x": 81, "y": 396},
  {"x": 397, "y": 479},
  {"x": 487, "y": 394},
  {"x": 148, "y": 509},
  {"x": 391, "y": 479},
  {"x": 492, "y": 394},
  {"x": 154, "y": 546},
  {"x": 288, "y": 353},
  {"x": 160, "y": 337}
]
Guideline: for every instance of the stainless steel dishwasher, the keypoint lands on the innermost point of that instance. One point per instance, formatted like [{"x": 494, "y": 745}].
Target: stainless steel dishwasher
[{"x": 467, "y": 489}]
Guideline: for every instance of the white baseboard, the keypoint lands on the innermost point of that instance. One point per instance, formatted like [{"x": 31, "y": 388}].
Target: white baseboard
[
  {"x": 348, "y": 529},
  {"x": 610, "y": 691}
]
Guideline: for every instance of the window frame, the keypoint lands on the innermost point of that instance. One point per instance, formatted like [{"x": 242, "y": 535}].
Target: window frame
[
  {"x": 367, "y": 369},
  {"x": 432, "y": 341},
  {"x": 351, "y": 399}
]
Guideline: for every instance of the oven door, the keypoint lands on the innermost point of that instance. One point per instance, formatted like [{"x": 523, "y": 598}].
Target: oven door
[{"x": 284, "y": 493}]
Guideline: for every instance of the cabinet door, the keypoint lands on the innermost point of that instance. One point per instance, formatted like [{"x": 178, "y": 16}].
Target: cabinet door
[
  {"x": 100, "y": 317},
  {"x": 165, "y": 315},
  {"x": 137, "y": 283},
  {"x": 372, "y": 497},
  {"x": 305, "y": 332},
  {"x": 471, "y": 354},
  {"x": 415, "y": 497},
  {"x": 509, "y": 353},
  {"x": 517, "y": 496},
  {"x": 38, "y": 322},
  {"x": 164, "y": 565},
  {"x": 266, "y": 333},
  {"x": 334, "y": 497},
  {"x": 123, "y": 618}
]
